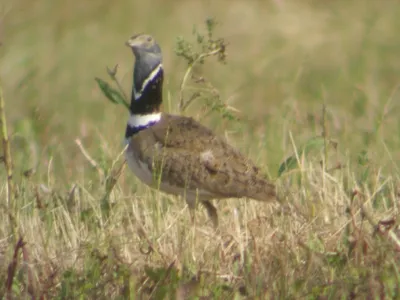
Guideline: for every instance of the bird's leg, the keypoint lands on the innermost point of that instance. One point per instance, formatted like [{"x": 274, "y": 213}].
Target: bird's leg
[
  {"x": 212, "y": 212},
  {"x": 192, "y": 209}
]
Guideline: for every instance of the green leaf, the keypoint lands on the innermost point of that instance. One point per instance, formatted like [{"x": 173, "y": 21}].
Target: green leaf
[
  {"x": 335, "y": 259},
  {"x": 365, "y": 175},
  {"x": 299, "y": 284},
  {"x": 155, "y": 274},
  {"x": 363, "y": 158},
  {"x": 313, "y": 144},
  {"x": 112, "y": 94}
]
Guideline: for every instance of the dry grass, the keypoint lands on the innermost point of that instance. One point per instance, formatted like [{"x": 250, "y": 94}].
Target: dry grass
[{"x": 336, "y": 234}]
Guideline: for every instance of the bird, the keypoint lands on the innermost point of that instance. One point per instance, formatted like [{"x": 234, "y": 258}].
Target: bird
[{"x": 177, "y": 154}]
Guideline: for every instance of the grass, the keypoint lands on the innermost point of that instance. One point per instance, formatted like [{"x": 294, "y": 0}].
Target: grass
[{"x": 90, "y": 230}]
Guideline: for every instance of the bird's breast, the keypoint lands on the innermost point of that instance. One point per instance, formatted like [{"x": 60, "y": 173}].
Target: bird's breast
[{"x": 139, "y": 168}]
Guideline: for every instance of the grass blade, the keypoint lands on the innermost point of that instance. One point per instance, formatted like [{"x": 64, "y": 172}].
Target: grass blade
[{"x": 291, "y": 163}]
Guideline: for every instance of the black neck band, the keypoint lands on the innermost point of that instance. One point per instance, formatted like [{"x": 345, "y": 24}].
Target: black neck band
[
  {"x": 149, "y": 99},
  {"x": 130, "y": 131}
]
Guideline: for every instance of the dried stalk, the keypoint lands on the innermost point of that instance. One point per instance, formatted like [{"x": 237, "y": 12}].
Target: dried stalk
[{"x": 10, "y": 191}]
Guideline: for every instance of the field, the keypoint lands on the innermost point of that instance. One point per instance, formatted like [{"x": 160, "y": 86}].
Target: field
[{"x": 312, "y": 83}]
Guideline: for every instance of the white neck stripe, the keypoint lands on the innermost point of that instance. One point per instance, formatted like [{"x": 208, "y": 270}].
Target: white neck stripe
[
  {"x": 153, "y": 74},
  {"x": 137, "y": 121}
]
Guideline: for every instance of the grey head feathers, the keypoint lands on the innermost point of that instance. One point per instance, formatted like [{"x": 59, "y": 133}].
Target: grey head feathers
[{"x": 148, "y": 59}]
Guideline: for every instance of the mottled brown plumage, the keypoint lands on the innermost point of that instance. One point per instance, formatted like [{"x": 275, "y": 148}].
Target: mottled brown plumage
[{"x": 188, "y": 159}]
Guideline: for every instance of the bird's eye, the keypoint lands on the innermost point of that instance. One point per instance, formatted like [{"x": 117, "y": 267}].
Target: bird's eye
[{"x": 149, "y": 38}]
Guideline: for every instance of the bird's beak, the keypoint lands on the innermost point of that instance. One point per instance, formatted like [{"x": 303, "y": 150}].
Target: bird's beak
[
  {"x": 133, "y": 42},
  {"x": 129, "y": 43}
]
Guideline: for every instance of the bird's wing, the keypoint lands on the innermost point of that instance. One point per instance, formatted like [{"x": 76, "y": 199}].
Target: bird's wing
[{"x": 188, "y": 155}]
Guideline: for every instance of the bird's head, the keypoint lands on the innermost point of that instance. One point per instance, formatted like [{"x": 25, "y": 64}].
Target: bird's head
[{"x": 144, "y": 44}]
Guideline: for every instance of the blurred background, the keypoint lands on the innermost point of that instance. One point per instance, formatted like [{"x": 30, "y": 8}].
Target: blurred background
[{"x": 285, "y": 59}]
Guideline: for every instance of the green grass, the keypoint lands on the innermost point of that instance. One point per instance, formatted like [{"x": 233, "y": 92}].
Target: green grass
[{"x": 336, "y": 234}]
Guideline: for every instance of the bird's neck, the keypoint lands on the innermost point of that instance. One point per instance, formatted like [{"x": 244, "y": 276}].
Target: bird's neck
[
  {"x": 147, "y": 92},
  {"x": 145, "y": 101},
  {"x": 137, "y": 123}
]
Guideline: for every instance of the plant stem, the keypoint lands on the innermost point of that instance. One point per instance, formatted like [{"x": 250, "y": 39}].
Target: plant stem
[
  {"x": 182, "y": 104},
  {"x": 10, "y": 191},
  {"x": 113, "y": 75},
  {"x": 325, "y": 136}
]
